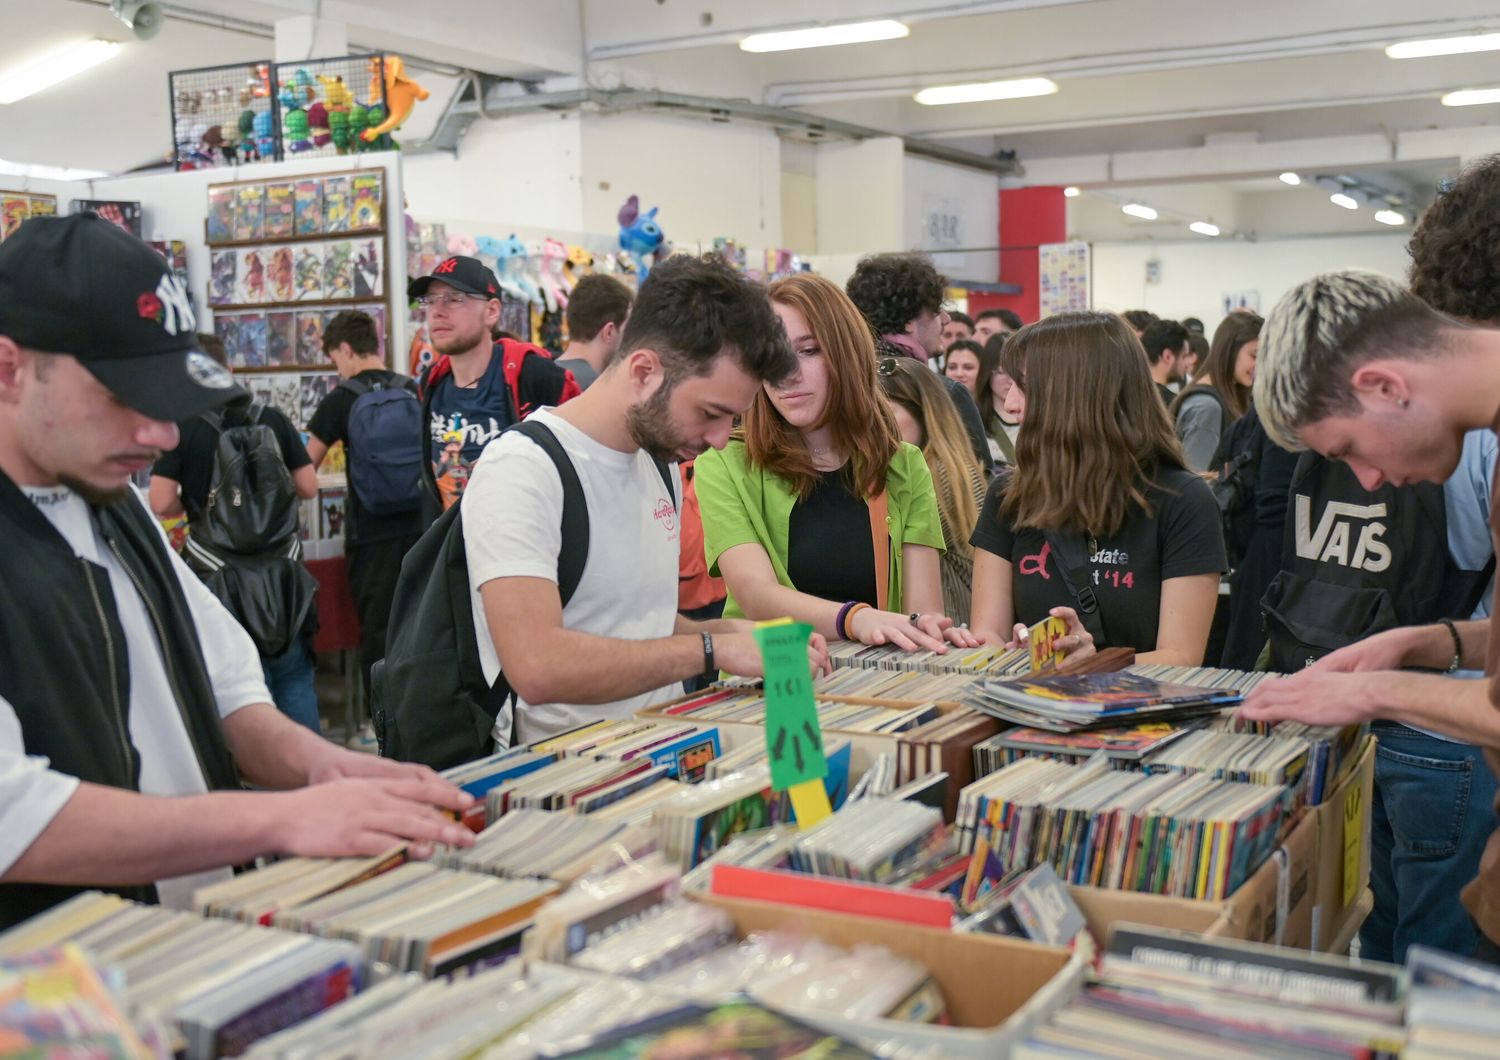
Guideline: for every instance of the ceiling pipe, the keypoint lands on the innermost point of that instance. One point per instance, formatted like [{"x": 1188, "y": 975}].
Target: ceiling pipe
[{"x": 494, "y": 106}]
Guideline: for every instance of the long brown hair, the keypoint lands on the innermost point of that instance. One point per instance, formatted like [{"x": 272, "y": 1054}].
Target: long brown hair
[
  {"x": 1233, "y": 332},
  {"x": 858, "y": 417},
  {"x": 984, "y": 386},
  {"x": 945, "y": 443},
  {"x": 1095, "y": 431}
]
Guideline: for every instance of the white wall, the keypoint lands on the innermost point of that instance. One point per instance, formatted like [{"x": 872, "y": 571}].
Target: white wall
[
  {"x": 1195, "y": 276},
  {"x": 860, "y": 197},
  {"x": 708, "y": 179},
  {"x": 524, "y": 172},
  {"x": 952, "y": 206}
]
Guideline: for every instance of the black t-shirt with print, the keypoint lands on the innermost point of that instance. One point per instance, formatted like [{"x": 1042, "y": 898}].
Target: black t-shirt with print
[
  {"x": 830, "y": 554},
  {"x": 1182, "y": 536},
  {"x": 192, "y": 462}
]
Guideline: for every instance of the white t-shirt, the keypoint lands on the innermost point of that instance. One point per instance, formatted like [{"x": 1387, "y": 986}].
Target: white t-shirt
[
  {"x": 513, "y": 528},
  {"x": 31, "y": 793}
]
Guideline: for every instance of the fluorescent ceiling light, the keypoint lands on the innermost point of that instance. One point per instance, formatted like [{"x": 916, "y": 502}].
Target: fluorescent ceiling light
[
  {"x": 56, "y": 67},
  {"x": 31, "y": 169},
  {"x": 1203, "y": 228},
  {"x": 1348, "y": 202},
  {"x": 986, "y": 91},
  {"x": 825, "y": 36},
  {"x": 1072, "y": 191},
  {"x": 1135, "y": 209},
  {"x": 1469, "y": 97},
  {"x": 1290, "y": 178},
  {"x": 1425, "y": 49},
  {"x": 1390, "y": 217}
]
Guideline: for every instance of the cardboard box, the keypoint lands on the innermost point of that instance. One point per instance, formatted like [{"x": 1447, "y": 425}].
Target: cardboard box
[
  {"x": 1343, "y": 871},
  {"x": 1275, "y": 905},
  {"x": 996, "y": 989}
]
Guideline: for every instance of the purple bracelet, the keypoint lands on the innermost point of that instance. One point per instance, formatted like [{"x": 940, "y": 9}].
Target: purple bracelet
[{"x": 838, "y": 623}]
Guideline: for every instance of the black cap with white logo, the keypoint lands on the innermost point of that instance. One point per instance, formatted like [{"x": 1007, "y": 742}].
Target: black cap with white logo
[
  {"x": 81, "y": 286},
  {"x": 469, "y": 275}
]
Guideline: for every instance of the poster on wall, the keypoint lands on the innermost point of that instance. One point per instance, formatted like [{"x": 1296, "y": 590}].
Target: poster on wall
[
  {"x": 1246, "y": 301},
  {"x": 1063, "y": 277}
]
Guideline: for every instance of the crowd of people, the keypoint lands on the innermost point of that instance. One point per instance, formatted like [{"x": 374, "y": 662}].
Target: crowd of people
[{"x": 535, "y": 542}]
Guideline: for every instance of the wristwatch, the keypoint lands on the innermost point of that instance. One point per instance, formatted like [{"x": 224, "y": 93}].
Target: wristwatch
[{"x": 710, "y": 668}]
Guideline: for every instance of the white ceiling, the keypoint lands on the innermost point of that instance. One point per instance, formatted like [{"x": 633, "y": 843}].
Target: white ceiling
[{"x": 1171, "y": 95}]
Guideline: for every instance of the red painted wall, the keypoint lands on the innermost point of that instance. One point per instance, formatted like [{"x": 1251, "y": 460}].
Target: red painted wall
[{"x": 1029, "y": 217}]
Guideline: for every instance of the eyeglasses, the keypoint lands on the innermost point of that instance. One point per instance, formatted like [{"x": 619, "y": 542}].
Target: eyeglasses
[{"x": 448, "y": 299}]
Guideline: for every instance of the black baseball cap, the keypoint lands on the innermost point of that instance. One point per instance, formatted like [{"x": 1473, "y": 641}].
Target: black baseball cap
[
  {"x": 81, "y": 286},
  {"x": 469, "y": 275}
]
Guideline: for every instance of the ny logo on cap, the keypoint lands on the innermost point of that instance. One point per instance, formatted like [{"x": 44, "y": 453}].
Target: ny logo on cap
[
  {"x": 168, "y": 306},
  {"x": 446, "y": 267}
]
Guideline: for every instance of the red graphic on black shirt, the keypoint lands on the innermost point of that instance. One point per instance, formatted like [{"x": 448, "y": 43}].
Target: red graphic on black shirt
[{"x": 1037, "y": 564}]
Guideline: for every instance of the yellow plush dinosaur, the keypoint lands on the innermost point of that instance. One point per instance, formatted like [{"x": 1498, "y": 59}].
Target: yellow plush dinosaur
[{"x": 401, "y": 94}]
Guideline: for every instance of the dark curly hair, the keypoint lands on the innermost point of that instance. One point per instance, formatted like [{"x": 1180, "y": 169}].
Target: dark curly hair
[
  {"x": 1455, "y": 250},
  {"x": 892, "y": 290},
  {"x": 690, "y": 310}
]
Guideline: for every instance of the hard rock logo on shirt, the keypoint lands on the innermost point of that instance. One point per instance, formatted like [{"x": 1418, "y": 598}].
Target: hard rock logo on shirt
[
  {"x": 1036, "y": 564},
  {"x": 451, "y": 435}
]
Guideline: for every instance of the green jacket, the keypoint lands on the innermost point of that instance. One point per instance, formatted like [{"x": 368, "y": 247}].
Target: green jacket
[{"x": 743, "y": 504}]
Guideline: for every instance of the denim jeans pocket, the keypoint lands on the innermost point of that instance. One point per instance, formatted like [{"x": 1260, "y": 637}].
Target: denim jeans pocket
[{"x": 1425, "y": 799}]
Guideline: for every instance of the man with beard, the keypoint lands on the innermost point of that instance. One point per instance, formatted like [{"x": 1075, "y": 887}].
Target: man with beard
[
  {"x": 478, "y": 386},
  {"x": 131, "y": 702},
  {"x": 700, "y": 342}
]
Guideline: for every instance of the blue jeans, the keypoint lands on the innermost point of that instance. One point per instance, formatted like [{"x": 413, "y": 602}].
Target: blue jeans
[
  {"x": 289, "y": 676},
  {"x": 1434, "y": 810}
]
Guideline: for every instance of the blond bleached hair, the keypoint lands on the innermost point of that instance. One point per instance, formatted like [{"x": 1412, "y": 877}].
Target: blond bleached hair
[{"x": 1325, "y": 329}]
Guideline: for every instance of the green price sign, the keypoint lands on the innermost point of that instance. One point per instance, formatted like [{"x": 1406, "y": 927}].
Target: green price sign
[{"x": 793, "y": 739}]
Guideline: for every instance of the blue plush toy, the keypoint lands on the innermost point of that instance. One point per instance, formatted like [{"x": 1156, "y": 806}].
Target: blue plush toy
[
  {"x": 640, "y": 235},
  {"x": 510, "y": 266}
]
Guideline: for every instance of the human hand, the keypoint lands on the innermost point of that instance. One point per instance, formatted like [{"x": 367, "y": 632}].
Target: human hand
[
  {"x": 363, "y": 817},
  {"x": 1384, "y": 651},
  {"x": 945, "y": 629},
  {"x": 1314, "y": 697},
  {"x": 337, "y": 763},
  {"x": 739, "y": 653},
  {"x": 1076, "y": 643},
  {"x": 817, "y": 654},
  {"x": 869, "y": 626}
]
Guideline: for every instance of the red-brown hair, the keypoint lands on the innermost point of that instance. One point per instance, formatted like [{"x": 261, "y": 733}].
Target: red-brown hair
[{"x": 855, "y": 410}]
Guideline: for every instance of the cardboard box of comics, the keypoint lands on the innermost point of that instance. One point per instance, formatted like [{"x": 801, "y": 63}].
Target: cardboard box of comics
[
  {"x": 995, "y": 989},
  {"x": 1275, "y": 905},
  {"x": 1344, "y": 855}
]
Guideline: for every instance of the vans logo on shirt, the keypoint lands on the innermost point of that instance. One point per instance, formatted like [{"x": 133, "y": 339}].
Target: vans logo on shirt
[
  {"x": 1330, "y": 541},
  {"x": 665, "y": 514}
]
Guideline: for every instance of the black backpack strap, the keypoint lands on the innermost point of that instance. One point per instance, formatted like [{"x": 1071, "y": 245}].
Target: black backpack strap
[
  {"x": 1073, "y": 565},
  {"x": 358, "y": 387},
  {"x": 575, "y": 513},
  {"x": 664, "y": 469}
]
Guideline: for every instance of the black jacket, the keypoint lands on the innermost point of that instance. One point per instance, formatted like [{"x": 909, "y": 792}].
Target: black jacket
[{"x": 64, "y": 668}]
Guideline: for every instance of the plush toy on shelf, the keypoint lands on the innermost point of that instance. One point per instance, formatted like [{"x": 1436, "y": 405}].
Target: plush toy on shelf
[
  {"x": 265, "y": 135},
  {"x": 579, "y": 264},
  {"x": 510, "y": 266},
  {"x": 640, "y": 235},
  {"x": 462, "y": 245},
  {"x": 401, "y": 94},
  {"x": 554, "y": 284}
]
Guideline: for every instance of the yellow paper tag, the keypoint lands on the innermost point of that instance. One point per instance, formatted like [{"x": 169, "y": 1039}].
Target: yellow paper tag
[
  {"x": 1354, "y": 837},
  {"x": 810, "y": 801}
]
